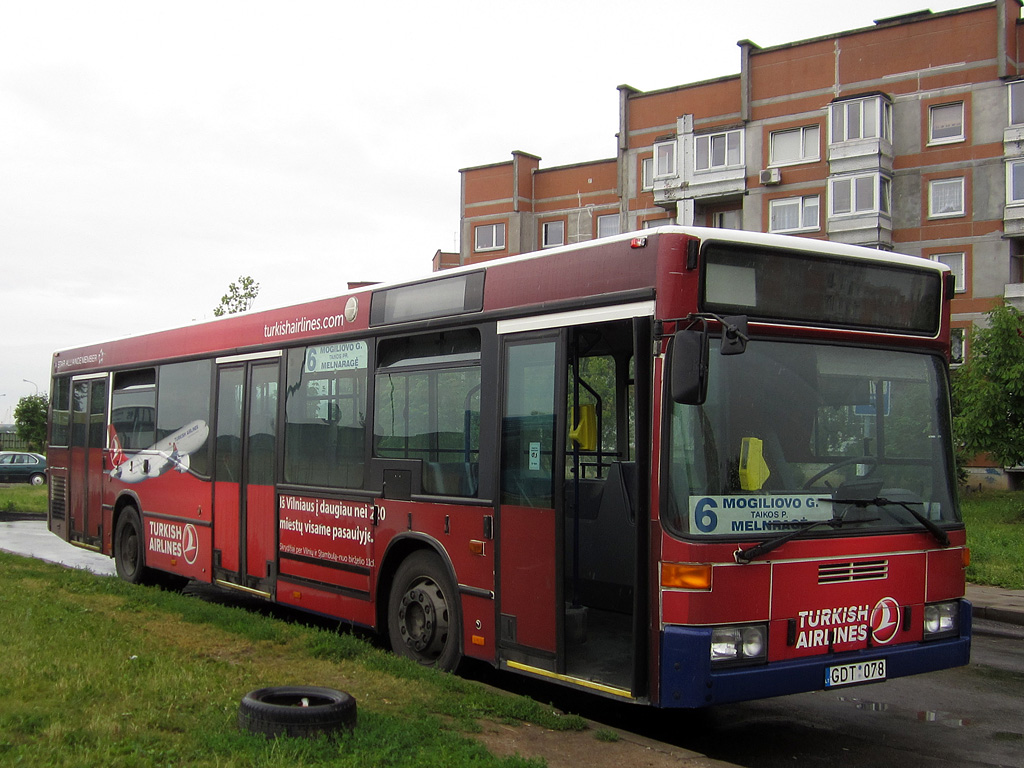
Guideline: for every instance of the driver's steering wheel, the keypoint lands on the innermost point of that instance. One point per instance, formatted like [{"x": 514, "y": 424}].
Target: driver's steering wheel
[{"x": 841, "y": 463}]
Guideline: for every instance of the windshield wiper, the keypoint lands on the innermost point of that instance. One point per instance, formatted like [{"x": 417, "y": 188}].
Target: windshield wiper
[
  {"x": 880, "y": 501},
  {"x": 744, "y": 556}
]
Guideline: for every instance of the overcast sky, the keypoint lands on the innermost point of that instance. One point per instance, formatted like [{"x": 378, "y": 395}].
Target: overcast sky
[{"x": 151, "y": 153}]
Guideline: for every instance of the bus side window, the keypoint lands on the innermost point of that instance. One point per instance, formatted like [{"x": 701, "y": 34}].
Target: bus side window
[
  {"x": 325, "y": 405},
  {"x": 427, "y": 408},
  {"x": 133, "y": 413}
]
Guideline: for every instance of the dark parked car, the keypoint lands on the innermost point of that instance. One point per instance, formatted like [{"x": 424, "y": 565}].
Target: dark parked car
[{"x": 16, "y": 467}]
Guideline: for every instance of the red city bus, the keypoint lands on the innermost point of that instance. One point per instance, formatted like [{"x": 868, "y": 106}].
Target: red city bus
[{"x": 680, "y": 467}]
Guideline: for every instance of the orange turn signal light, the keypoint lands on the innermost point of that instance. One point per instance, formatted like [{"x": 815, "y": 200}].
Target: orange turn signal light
[
  {"x": 686, "y": 576},
  {"x": 965, "y": 556}
]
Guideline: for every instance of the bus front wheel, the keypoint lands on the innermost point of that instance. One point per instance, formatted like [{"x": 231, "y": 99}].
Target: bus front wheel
[{"x": 423, "y": 613}]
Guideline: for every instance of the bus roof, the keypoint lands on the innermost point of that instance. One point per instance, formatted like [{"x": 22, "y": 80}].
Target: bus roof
[{"x": 615, "y": 268}]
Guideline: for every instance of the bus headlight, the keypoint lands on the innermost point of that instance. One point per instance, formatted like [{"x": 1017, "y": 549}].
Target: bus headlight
[
  {"x": 739, "y": 645},
  {"x": 941, "y": 620}
]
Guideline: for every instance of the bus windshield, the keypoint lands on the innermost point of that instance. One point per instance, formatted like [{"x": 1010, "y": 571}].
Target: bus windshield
[{"x": 796, "y": 433}]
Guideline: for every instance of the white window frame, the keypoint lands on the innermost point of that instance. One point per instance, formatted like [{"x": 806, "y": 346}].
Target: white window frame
[
  {"x": 547, "y": 232},
  {"x": 665, "y": 159},
  {"x": 496, "y": 228},
  {"x": 881, "y": 189},
  {"x": 810, "y": 145},
  {"x": 1015, "y": 102},
  {"x": 647, "y": 174},
  {"x": 957, "y": 263},
  {"x": 1018, "y": 166},
  {"x": 853, "y": 110},
  {"x": 961, "y": 134},
  {"x": 603, "y": 223},
  {"x": 936, "y": 192},
  {"x": 808, "y": 213},
  {"x": 709, "y": 138}
]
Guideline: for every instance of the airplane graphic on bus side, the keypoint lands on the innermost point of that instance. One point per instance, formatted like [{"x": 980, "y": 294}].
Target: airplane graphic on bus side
[{"x": 171, "y": 452}]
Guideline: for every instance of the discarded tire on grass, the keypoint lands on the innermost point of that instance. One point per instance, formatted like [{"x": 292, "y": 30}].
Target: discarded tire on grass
[{"x": 297, "y": 711}]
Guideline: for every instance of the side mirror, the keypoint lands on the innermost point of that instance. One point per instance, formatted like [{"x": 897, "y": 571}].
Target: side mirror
[
  {"x": 734, "y": 335},
  {"x": 689, "y": 367}
]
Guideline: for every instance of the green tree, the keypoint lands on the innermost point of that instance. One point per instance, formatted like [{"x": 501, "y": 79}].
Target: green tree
[
  {"x": 988, "y": 390},
  {"x": 239, "y": 298},
  {"x": 30, "y": 418}
]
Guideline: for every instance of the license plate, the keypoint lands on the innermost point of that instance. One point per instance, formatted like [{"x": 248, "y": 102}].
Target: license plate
[{"x": 860, "y": 672}]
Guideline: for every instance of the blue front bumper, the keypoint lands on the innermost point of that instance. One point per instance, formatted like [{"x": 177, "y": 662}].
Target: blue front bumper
[{"x": 688, "y": 681}]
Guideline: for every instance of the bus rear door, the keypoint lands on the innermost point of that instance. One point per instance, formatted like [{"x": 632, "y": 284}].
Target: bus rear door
[
  {"x": 245, "y": 531},
  {"x": 88, "y": 442}
]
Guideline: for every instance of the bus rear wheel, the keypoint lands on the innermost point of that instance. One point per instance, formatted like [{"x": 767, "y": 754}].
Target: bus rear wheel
[
  {"x": 129, "y": 555},
  {"x": 423, "y": 613}
]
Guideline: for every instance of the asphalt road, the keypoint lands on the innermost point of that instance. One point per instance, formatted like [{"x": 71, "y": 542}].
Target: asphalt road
[{"x": 971, "y": 716}]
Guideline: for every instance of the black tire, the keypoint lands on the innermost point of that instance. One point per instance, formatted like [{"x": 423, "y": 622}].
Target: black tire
[
  {"x": 424, "y": 622},
  {"x": 297, "y": 711},
  {"x": 37, "y": 480},
  {"x": 129, "y": 548},
  {"x": 130, "y": 556}
]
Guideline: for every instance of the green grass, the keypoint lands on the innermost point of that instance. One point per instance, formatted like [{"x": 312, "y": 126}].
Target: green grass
[
  {"x": 995, "y": 535},
  {"x": 23, "y": 498},
  {"x": 100, "y": 673}
]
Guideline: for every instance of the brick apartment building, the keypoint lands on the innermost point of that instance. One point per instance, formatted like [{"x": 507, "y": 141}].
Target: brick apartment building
[{"x": 907, "y": 135}]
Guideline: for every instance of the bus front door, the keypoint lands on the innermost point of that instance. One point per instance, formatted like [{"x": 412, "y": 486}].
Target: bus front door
[
  {"x": 244, "y": 527},
  {"x": 530, "y": 590},
  {"x": 88, "y": 442}
]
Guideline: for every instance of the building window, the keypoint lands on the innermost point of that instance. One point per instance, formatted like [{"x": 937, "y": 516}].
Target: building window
[
  {"x": 665, "y": 159},
  {"x": 867, "y": 193},
  {"x": 489, "y": 237},
  {"x": 730, "y": 219},
  {"x": 719, "y": 150},
  {"x": 799, "y": 145},
  {"x": 869, "y": 118},
  {"x": 552, "y": 234},
  {"x": 647, "y": 174},
  {"x": 946, "y": 123},
  {"x": 1017, "y": 103},
  {"x": 652, "y": 223},
  {"x": 608, "y": 225},
  {"x": 957, "y": 263},
  {"x": 945, "y": 198},
  {"x": 957, "y": 345},
  {"x": 793, "y": 214},
  {"x": 1015, "y": 183}
]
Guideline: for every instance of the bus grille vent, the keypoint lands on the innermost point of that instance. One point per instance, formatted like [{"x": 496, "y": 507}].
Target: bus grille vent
[
  {"x": 865, "y": 570},
  {"x": 58, "y": 497}
]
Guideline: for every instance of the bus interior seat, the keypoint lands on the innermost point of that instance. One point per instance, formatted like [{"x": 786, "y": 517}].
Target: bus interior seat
[{"x": 607, "y": 527}]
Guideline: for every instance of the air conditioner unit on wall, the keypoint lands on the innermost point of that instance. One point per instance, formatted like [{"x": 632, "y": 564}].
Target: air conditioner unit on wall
[{"x": 771, "y": 176}]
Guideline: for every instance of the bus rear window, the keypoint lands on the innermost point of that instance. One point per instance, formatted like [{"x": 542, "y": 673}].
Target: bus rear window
[{"x": 814, "y": 289}]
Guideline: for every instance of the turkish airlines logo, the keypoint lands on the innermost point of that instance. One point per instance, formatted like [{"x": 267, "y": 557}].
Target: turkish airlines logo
[
  {"x": 885, "y": 620},
  {"x": 190, "y": 546}
]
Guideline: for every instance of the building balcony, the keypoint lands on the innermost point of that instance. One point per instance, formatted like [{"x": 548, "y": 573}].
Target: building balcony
[
  {"x": 872, "y": 230},
  {"x": 705, "y": 185},
  {"x": 1013, "y": 221},
  {"x": 860, "y": 156}
]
